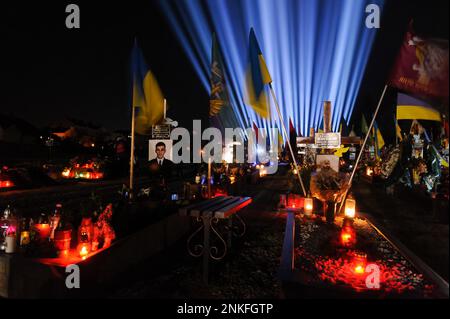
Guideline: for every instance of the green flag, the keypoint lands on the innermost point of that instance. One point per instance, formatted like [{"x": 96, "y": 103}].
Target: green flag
[{"x": 364, "y": 127}]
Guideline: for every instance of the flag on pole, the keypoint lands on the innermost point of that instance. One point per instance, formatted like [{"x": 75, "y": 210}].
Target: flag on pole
[
  {"x": 398, "y": 132},
  {"x": 352, "y": 132},
  {"x": 219, "y": 94},
  {"x": 434, "y": 152},
  {"x": 147, "y": 97},
  {"x": 280, "y": 142},
  {"x": 379, "y": 140},
  {"x": 379, "y": 136},
  {"x": 257, "y": 77},
  {"x": 320, "y": 129},
  {"x": 293, "y": 136},
  {"x": 422, "y": 67},
  {"x": 364, "y": 127},
  {"x": 409, "y": 108},
  {"x": 255, "y": 128},
  {"x": 343, "y": 127},
  {"x": 292, "y": 130},
  {"x": 445, "y": 127}
]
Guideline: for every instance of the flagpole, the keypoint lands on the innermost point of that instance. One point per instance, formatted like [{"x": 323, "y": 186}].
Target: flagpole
[
  {"x": 209, "y": 176},
  {"x": 361, "y": 151},
  {"x": 165, "y": 108},
  {"x": 133, "y": 124},
  {"x": 287, "y": 138}
]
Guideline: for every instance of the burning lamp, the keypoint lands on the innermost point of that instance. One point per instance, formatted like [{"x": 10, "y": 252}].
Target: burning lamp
[
  {"x": 66, "y": 173},
  {"x": 359, "y": 263},
  {"x": 348, "y": 236},
  {"x": 295, "y": 172},
  {"x": 43, "y": 228},
  {"x": 83, "y": 250},
  {"x": 369, "y": 171},
  {"x": 6, "y": 184},
  {"x": 262, "y": 172},
  {"x": 350, "y": 208},
  {"x": 308, "y": 206},
  {"x": 232, "y": 179}
]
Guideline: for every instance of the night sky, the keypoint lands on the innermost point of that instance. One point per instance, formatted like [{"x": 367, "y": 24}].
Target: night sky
[{"x": 49, "y": 72}]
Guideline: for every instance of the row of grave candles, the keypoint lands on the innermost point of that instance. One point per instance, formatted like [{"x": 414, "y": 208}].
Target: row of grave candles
[
  {"x": 308, "y": 207},
  {"x": 347, "y": 235}
]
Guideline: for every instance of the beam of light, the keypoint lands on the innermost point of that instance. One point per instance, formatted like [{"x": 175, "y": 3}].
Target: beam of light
[{"x": 316, "y": 50}]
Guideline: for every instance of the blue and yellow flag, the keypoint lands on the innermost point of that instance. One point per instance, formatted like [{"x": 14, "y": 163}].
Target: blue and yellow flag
[
  {"x": 219, "y": 94},
  {"x": 398, "y": 132},
  {"x": 379, "y": 140},
  {"x": 409, "y": 108},
  {"x": 147, "y": 97},
  {"x": 257, "y": 77}
]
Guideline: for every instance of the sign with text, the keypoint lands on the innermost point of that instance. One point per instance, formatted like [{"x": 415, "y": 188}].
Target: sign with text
[
  {"x": 161, "y": 132},
  {"x": 328, "y": 140}
]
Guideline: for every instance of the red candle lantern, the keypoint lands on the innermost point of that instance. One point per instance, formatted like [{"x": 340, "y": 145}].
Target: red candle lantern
[
  {"x": 42, "y": 228},
  {"x": 348, "y": 236},
  {"x": 86, "y": 230},
  {"x": 62, "y": 242},
  {"x": 359, "y": 262},
  {"x": 43, "y": 231},
  {"x": 85, "y": 234}
]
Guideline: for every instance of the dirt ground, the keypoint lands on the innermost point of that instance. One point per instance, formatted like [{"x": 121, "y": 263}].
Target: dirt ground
[
  {"x": 409, "y": 217},
  {"x": 249, "y": 270}
]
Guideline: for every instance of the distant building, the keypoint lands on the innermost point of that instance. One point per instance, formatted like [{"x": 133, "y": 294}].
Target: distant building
[{"x": 85, "y": 134}]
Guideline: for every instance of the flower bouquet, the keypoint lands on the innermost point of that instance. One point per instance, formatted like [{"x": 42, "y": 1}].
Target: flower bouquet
[{"x": 329, "y": 187}]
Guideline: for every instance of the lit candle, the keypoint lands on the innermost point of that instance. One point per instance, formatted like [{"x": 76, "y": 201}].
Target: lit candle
[
  {"x": 308, "y": 206},
  {"x": 348, "y": 236},
  {"x": 24, "y": 238},
  {"x": 84, "y": 251},
  {"x": 10, "y": 246},
  {"x": 359, "y": 262},
  {"x": 43, "y": 230},
  {"x": 262, "y": 172},
  {"x": 350, "y": 208}
]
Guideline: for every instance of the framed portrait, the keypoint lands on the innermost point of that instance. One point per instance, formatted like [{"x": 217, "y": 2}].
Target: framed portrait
[{"x": 162, "y": 145}]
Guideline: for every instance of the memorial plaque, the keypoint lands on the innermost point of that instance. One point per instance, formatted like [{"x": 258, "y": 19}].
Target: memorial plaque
[
  {"x": 328, "y": 140},
  {"x": 161, "y": 132}
]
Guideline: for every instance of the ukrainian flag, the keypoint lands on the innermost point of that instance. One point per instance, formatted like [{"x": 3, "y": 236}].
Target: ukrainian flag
[
  {"x": 409, "y": 108},
  {"x": 147, "y": 97},
  {"x": 257, "y": 76},
  {"x": 398, "y": 132},
  {"x": 379, "y": 140}
]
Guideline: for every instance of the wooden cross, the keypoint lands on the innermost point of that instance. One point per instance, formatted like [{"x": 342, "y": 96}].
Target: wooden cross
[
  {"x": 345, "y": 140},
  {"x": 327, "y": 133}
]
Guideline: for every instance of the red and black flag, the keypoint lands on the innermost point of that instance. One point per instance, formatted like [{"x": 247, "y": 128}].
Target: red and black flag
[{"x": 422, "y": 67}]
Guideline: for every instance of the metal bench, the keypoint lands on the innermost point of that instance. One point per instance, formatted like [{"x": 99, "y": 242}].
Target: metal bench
[{"x": 209, "y": 214}]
